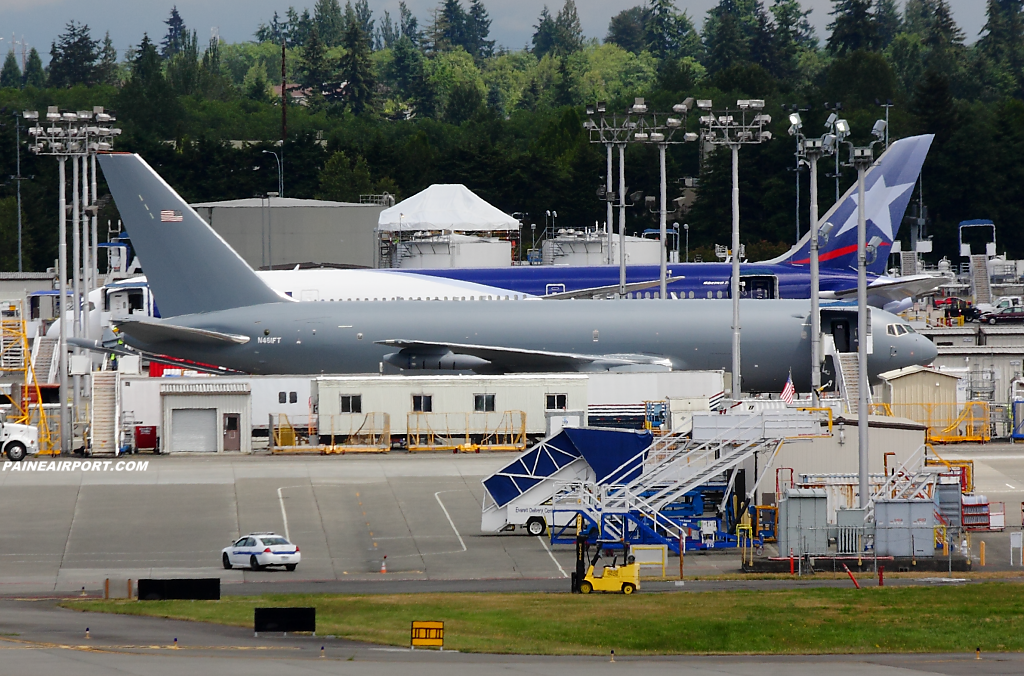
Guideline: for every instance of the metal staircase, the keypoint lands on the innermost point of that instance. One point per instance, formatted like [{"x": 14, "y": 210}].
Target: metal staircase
[
  {"x": 849, "y": 375},
  {"x": 912, "y": 480},
  {"x": 45, "y": 359},
  {"x": 630, "y": 507},
  {"x": 980, "y": 282}
]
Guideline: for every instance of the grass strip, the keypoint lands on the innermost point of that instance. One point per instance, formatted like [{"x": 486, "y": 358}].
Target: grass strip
[{"x": 801, "y": 621}]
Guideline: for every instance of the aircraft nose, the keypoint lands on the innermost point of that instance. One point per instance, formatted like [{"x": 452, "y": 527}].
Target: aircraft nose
[{"x": 923, "y": 350}]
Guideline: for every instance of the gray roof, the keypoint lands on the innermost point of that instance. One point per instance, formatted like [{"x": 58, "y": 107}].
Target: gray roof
[{"x": 279, "y": 202}]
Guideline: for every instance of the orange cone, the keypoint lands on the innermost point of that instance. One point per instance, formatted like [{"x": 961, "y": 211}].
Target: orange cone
[{"x": 384, "y": 564}]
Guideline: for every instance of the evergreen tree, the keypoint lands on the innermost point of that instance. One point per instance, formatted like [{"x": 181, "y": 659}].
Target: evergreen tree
[
  {"x": 726, "y": 38},
  {"x": 793, "y": 34},
  {"x": 887, "y": 19},
  {"x": 313, "y": 62},
  {"x": 176, "y": 32},
  {"x": 933, "y": 107},
  {"x": 449, "y": 29},
  {"x": 34, "y": 75},
  {"x": 276, "y": 31},
  {"x": 463, "y": 103},
  {"x": 628, "y": 29},
  {"x": 568, "y": 31},
  {"x": 343, "y": 180},
  {"x": 545, "y": 34},
  {"x": 478, "y": 28},
  {"x": 356, "y": 69},
  {"x": 183, "y": 68},
  {"x": 1002, "y": 42},
  {"x": 407, "y": 23},
  {"x": 147, "y": 105},
  {"x": 388, "y": 32},
  {"x": 299, "y": 27},
  {"x": 106, "y": 69},
  {"x": 73, "y": 57},
  {"x": 407, "y": 70},
  {"x": 10, "y": 74},
  {"x": 853, "y": 27},
  {"x": 363, "y": 14},
  {"x": 329, "y": 22},
  {"x": 670, "y": 33}
]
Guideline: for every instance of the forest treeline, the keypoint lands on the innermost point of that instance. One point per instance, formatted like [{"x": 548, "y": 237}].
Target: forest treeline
[{"x": 395, "y": 103}]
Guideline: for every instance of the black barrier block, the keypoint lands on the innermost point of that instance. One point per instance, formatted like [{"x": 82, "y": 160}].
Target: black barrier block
[
  {"x": 195, "y": 589},
  {"x": 284, "y": 619}
]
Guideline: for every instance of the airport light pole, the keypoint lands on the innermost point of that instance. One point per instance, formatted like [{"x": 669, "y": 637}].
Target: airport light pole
[
  {"x": 637, "y": 126},
  {"x": 813, "y": 150},
  {"x": 724, "y": 129},
  {"x": 839, "y": 128},
  {"x": 862, "y": 158},
  {"x": 73, "y": 136},
  {"x": 795, "y": 126},
  {"x": 887, "y": 105},
  {"x": 686, "y": 227}
]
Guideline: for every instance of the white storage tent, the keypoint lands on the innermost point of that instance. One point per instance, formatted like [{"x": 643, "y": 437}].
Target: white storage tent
[{"x": 445, "y": 207}]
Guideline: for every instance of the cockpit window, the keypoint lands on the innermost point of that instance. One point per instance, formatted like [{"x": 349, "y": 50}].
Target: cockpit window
[
  {"x": 898, "y": 329},
  {"x": 908, "y": 328}
]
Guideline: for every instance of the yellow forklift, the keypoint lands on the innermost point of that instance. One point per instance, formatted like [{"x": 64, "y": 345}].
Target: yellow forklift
[{"x": 614, "y": 578}]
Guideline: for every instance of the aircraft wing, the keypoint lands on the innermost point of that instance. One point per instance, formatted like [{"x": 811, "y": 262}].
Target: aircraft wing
[
  {"x": 152, "y": 332},
  {"x": 124, "y": 351},
  {"x": 605, "y": 290},
  {"x": 895, "y": 288},
  {"x": 484, "y": 358}
]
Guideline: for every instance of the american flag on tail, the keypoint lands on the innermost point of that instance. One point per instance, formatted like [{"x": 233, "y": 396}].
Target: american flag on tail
[
  {"x": 170, "y": 216},
  {"x": 788, "y": 391}
]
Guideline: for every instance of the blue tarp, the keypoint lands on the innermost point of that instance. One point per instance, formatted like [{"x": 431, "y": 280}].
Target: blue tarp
[
  {"x": 607, "y": 450},
  {"x": 604, "y": 450}
]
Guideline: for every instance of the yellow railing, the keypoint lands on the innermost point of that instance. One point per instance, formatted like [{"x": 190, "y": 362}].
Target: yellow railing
[
  {"x": 947, "y": 423},
  {"x": 964, "y": 467},
  {"x": 466, "y": 432},
  {"x": 880, "y": 408}
]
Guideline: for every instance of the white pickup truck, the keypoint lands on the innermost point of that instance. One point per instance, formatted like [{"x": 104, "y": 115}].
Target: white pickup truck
[{"x": 17, "y": 440}]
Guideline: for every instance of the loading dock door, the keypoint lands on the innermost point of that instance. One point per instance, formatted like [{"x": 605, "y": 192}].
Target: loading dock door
[{"x": 194, "y": 429}]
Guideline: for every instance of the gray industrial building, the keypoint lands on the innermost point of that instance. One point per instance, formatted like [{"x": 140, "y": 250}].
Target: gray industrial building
[{"x": 281, "y": 231}]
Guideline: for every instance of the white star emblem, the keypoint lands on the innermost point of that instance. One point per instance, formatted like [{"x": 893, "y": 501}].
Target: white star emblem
[{"x": 877, "y": 199}]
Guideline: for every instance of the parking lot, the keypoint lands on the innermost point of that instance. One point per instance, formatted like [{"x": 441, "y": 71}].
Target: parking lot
[{"x": 73, "y": 529}]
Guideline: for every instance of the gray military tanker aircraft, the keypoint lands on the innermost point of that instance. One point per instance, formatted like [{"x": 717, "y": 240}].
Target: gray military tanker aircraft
[{"x": 216, "y": 310}]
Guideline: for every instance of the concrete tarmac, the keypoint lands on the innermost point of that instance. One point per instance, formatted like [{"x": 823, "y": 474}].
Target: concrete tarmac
[
  {"x": 74, "y": 529},
  {"x": 67, "y": 530}
]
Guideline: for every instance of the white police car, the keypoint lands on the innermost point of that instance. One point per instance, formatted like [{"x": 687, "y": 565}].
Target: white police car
[{"x": 259, "y": 550}]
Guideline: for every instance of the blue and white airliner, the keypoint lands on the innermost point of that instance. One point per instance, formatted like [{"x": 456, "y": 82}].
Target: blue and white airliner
[{"x": 889, "y": 184}]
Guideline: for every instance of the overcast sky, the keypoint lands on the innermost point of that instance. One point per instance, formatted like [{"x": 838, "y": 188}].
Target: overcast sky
[{"x": 40, "y": 21}]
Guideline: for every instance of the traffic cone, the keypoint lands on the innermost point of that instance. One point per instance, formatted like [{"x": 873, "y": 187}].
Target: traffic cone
[{"x": 384, "y": 564}]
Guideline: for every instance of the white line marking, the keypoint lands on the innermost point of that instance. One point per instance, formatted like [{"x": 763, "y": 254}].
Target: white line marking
[
  {"x": 548, "y": 550},
  {"x": 284, "y": 514},
  {"x": 437, "y": 496},
  {"x": 1011, "y": 486}
]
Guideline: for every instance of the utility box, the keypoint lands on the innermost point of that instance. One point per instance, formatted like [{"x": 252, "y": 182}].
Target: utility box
[
  {"x": 803, "y": 522},
  {"x": 851, "y": 530},
  {"x": 905, "y": 528}
]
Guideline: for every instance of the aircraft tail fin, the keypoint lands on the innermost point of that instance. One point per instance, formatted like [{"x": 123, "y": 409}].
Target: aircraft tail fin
[
  {"x": 889, "y": 185},
  {"x": 190, "y": 267}
]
